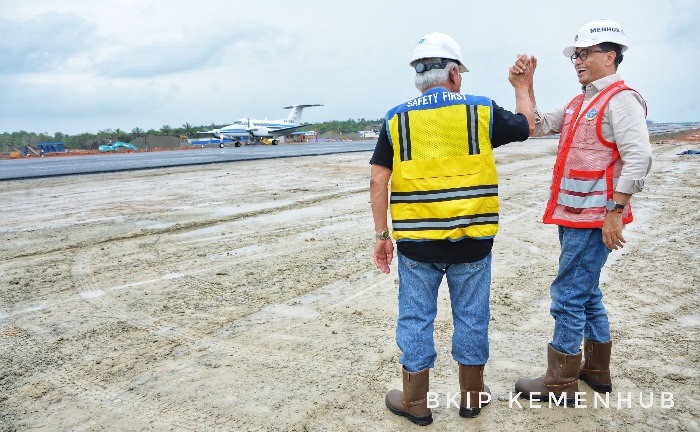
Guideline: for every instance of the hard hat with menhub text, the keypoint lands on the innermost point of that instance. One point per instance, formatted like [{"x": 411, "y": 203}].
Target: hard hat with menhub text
[{"x": 595, "y": 32}]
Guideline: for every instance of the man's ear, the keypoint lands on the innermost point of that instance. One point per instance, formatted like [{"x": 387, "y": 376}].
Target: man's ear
[
  {"x": 455, "y": 79},
  {"x": 454, "y": 74},
  {"x": 610, "y": 60}
]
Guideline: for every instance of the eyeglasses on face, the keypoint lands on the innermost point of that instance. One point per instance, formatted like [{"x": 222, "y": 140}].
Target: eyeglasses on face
[{"x": 583, "y": 54}]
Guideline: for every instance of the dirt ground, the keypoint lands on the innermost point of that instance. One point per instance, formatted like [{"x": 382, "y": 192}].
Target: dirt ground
[{"x": 243, "y": 296}]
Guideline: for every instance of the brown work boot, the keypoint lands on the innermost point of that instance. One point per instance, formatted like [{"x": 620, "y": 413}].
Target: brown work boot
[
  {"x": 471, "y": 384},
  {"x": 595, "y": 370},
  {"x": 412, "y": 402},
  {"x": 561, "y": 378}
]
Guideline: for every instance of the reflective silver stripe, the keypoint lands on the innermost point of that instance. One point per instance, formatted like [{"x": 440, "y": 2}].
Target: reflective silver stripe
[
  {"x": 441, "y": 225},
  {"x": 473, "y": 131},
  {"x": 585, "y": 186},
  {"x": 403, "y": 117},
  {"x": 446, "y": 195},
  {"x": 589, "y": 201}
]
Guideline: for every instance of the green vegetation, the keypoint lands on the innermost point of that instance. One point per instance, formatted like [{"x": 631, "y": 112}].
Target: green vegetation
[
  {"x": 90, "y": 141},
  {"x": 347, "y": 126}
]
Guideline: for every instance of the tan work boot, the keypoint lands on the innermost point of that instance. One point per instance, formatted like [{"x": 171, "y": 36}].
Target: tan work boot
[
  {"x": 471, "y": 385},
  {"x": 561, "y": 377},
  {"x": 412, "y": 402},
  {"x": 595, "y": 370}
]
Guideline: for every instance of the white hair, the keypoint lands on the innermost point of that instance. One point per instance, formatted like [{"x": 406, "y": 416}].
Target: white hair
[{"x": 434, "y": 77}]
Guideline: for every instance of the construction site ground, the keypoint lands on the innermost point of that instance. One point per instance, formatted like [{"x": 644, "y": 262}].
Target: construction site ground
[{"x": 243, "y": 296}]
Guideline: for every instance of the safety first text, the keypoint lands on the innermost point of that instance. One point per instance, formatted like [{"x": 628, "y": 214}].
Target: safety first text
[{"x": 432, "y": 98}]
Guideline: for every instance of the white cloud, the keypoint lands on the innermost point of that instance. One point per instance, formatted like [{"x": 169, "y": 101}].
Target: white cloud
[
  {"x": 83, "y": 66},
  {"x": 44, "y": 43}
]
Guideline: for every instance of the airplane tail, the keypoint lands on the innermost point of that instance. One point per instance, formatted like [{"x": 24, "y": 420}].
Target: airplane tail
[{"x": 295, "y": 115}]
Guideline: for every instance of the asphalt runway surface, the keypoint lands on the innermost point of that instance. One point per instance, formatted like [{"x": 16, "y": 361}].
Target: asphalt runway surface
[{"x": 18, "y": 169}]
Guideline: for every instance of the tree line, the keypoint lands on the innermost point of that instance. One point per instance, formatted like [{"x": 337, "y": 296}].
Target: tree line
[
  {"x": 10, "y": 141},
  {"x": 347, "y": 126}
]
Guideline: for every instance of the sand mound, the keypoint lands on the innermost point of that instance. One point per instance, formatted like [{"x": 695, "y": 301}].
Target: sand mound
[{"x": 157, "y": 141}]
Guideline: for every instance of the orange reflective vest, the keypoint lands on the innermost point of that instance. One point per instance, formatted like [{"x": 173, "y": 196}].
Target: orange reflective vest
[{"x": 587, "y": 166}]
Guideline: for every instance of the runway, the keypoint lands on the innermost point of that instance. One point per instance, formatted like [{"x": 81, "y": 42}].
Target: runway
[{"x": 29, "y": 168}]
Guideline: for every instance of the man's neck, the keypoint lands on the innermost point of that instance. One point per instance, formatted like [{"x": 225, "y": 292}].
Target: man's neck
[{"x": 453, "y": 88}]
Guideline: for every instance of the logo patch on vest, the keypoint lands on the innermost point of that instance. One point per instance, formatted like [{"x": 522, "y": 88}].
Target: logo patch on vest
[{"x": 591, "y": 114}]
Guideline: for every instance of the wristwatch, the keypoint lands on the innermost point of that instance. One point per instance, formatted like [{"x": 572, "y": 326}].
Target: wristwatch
[
  {"x": 611, "y": 205},
  {"x": 384, "y": 235}
]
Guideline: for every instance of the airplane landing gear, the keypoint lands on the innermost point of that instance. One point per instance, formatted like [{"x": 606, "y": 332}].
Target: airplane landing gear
[
  {"x": 221, "y": 145},
  {"x": 275, "y": 142},
  {"x": 237, "y": 143}
]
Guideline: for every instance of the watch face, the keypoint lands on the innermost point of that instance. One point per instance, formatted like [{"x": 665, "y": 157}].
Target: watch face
[{"x": 610, "y": 205}]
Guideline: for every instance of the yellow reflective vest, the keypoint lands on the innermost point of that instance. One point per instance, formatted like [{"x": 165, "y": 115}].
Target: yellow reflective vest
[{"x": 444, "y": 183}]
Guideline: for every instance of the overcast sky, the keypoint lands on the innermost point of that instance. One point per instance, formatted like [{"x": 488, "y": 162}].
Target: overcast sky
[{"x": 76, "y": 66}]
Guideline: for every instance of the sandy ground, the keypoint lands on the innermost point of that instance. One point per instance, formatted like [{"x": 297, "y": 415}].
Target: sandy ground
[{"x": 242, "y": 296}]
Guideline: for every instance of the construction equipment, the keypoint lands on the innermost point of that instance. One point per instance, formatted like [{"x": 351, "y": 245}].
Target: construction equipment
[{"x": 116, "y": 146}]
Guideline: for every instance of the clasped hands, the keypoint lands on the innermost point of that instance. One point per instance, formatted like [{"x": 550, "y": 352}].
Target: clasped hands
[{"x": 522, "y": 71}]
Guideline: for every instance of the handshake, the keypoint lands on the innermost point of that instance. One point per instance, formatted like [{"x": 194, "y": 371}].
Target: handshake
[{"x": 522, "y": 71}]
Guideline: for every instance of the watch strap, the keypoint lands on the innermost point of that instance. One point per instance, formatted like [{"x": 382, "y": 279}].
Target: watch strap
[
  {"x": 384, "y": 235},
  {"x": 613, "y": 206}
]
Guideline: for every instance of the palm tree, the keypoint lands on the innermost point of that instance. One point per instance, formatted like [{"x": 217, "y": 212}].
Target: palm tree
[
  {"x": 166, "y": 129},
  {"x": 137, "y": 132}
]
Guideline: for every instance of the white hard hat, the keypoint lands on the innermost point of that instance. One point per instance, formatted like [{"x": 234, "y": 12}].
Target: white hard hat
[
  {"x": 437, "y": 45},
  {"x": 595, "y": 32}
]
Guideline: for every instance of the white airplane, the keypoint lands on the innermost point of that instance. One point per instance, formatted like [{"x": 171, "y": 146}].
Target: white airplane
[{"x": 261, "y": 129}]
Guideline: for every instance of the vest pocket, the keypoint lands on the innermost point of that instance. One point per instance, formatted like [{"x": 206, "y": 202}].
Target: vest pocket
[
  {"x": 586, "y": 136},
  {"x": 441, "y": 167}
]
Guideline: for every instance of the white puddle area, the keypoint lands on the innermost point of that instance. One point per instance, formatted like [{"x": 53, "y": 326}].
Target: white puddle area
[
  {"x": 68, "y": 221},
  {"x": 153, "y": 224},
  {"x": 203, "y": 234},
  {"x": 228, "y": 210},
  {"x": 294, "y": 216},
  {"x": 103, "y": 219},
  {"x": 92, "y": 294},
  {"x": 305, "y": 307},
  {"x": 280, "y": 312},
  {"x": 690, "y": 320}
]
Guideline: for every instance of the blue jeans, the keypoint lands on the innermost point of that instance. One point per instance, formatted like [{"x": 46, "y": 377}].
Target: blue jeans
[
  {"x": 470, "y": 287},
  {"x": 577, "y": 301}
]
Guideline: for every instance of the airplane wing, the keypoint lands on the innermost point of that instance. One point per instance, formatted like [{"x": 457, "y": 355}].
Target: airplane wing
[
  {"x": 285, "y": 131},
  {"x": 301, "y": 106}
]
